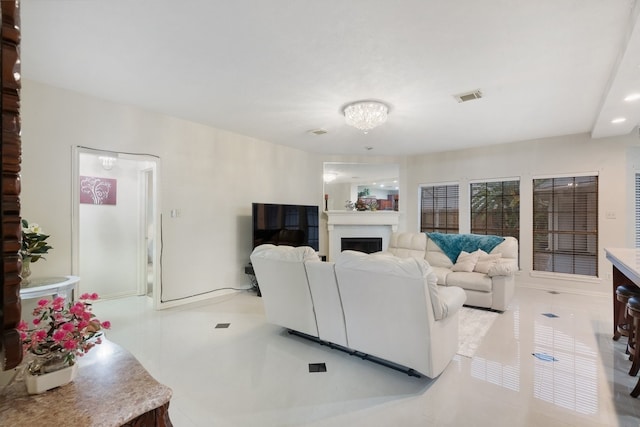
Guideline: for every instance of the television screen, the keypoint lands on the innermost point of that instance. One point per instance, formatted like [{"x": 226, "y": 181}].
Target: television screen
[{"x": 291, "y": 225}]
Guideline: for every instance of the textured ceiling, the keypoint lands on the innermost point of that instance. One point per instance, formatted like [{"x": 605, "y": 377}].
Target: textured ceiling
[{"x": 275, "y": 70}]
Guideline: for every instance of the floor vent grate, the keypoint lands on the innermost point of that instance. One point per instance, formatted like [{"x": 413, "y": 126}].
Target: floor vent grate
[{"x": 317, "y": 367}]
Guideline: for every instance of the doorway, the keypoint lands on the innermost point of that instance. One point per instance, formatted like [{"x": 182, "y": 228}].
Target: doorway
[{"x": 115, "y": 223}]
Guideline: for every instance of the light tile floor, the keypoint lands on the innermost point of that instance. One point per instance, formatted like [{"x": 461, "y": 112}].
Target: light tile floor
[{"x": 255, "y": 374}]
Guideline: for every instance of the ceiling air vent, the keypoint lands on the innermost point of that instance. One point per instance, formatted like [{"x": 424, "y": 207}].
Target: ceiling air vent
[
  {"x": 318, "y": 132},
  {"x": 468, "y": 96}
]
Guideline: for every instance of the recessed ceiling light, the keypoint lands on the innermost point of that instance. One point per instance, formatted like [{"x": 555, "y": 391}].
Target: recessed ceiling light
[
  {"x": 368, "y": 148},
  {"x": 632, "y": 97},
  {"x": 618, "y": 120}
]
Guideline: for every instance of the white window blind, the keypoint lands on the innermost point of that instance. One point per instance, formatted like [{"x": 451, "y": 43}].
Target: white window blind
[
  {"x": 565, "y": 225},
  {"x": 439, "y": 209},
  {"x": 495, "y": 208}
]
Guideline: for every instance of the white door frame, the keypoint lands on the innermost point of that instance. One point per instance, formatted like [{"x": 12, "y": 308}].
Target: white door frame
[{"x": 75, "y": 215}]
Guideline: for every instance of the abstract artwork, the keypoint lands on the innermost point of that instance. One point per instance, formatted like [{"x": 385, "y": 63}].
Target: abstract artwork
[{"x": 98, "y": 191}]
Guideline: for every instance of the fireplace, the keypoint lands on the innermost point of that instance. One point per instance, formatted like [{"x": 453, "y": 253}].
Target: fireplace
[
  {"x": 367, "y": 245},
  {"x": 358, "y": 225}
]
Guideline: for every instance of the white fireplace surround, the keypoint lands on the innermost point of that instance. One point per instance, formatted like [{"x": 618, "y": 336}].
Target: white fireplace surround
[{"x": 359, "y": 224}]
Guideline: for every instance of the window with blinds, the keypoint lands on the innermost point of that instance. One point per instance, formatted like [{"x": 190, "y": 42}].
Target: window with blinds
[
  {"x": 565, "y": 225},
  {"x": 495, "y": 208},
  {"x": 439, "y": 209}
]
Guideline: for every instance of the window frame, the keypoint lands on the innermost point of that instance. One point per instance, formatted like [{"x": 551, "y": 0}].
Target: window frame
[
  {"x": 456, "y": 214},
  {"x": 556, "y": 234},
  {"x": 502, "y": 231}
]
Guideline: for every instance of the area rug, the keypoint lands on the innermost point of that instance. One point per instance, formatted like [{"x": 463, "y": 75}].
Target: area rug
[{"x": 473, "y": 325}]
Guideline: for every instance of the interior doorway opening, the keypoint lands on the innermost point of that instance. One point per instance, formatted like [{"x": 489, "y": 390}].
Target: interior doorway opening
[{"x": 115, "y": 249}]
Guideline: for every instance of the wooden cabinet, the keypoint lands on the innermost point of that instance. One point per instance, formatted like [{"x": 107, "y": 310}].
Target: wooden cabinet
[{"x": 10, "y": 154}]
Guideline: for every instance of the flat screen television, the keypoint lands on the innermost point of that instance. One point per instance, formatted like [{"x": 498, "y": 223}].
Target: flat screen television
[{"x": 280, "y": 224}]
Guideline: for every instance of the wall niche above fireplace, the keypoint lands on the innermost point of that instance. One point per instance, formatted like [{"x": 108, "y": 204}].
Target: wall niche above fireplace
[{"x": 367, "y": 181}]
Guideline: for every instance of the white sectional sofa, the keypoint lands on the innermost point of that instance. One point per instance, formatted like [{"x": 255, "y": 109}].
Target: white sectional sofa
[
  {"x": 376, "y": 306},
  {"x": 488, "y": 280}
]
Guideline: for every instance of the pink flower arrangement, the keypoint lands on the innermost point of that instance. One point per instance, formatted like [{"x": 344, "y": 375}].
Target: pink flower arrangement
[{"x": 68, "y": 331}]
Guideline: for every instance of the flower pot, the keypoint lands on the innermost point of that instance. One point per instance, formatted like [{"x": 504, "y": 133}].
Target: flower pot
[
  {"x": 37, "y": 384},
  {"x": 26, "y": 270}
]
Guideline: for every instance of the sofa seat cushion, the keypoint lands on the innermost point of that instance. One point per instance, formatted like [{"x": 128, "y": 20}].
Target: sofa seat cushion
[
  {"x": 471, "y": 281},
  {"x": 441, "y": 273}
]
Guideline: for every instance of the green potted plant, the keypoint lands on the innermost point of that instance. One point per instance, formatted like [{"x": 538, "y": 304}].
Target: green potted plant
[{"x": 34, "y": 247}]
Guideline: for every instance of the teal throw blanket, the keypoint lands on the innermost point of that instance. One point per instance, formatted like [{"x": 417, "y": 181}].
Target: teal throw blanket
[{"x": 453, "y": 244}]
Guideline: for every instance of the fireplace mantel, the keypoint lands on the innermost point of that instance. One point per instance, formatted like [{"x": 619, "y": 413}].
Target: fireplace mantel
[
  {"x": 359, "y": 224},
  {"x": 363, "y": 218}
]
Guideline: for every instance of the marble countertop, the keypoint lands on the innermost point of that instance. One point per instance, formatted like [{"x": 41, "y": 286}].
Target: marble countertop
[
  {"x": 627, "y": 260},
  {"x": 111, "y": 388}
]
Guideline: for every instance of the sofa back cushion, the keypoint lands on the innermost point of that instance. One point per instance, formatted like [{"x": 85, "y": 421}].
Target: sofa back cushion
[
  {"x": 436, "y": 257},
  {"x": 386, "y": 307},
  {"x": 402, "y": 270},
  {"x": 326, "y": 302},
  {"x": 408, "y": 245},
  {"x": 508, "y": 248}
]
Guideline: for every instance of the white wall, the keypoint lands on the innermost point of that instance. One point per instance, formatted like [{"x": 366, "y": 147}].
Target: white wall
[
  {"x": 210, "y": 175},
  {"x": 611, "y": 158}
]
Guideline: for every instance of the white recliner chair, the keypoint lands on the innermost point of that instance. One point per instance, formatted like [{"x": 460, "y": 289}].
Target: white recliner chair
[
  {"x": 284, "y": 286},
  {"x": 394, "y": 310}
]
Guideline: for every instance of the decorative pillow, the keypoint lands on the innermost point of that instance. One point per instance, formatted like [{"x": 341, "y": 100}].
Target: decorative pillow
[
  {"x": 466, "y": 261},
  {"x": 486, "y": 261}
]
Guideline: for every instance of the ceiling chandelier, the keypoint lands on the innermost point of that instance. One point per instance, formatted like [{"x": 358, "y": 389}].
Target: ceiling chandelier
[{"x": 366, "y": 115}]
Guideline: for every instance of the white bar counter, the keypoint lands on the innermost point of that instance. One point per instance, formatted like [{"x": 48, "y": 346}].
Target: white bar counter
[
  {"x": 626, "y": 271},
  {"x": 111, "y": 389}
]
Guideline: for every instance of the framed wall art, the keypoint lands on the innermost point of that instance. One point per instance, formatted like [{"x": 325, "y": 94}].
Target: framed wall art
[{"x": 98, "y": 191}]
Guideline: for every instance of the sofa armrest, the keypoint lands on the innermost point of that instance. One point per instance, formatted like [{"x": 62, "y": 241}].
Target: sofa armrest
[
  {"x": 451, "y": 299},
  {"x": 503, "y": 268}
]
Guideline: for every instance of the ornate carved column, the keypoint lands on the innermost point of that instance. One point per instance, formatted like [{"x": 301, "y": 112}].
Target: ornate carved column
[{"x": 10, "y": 156}]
